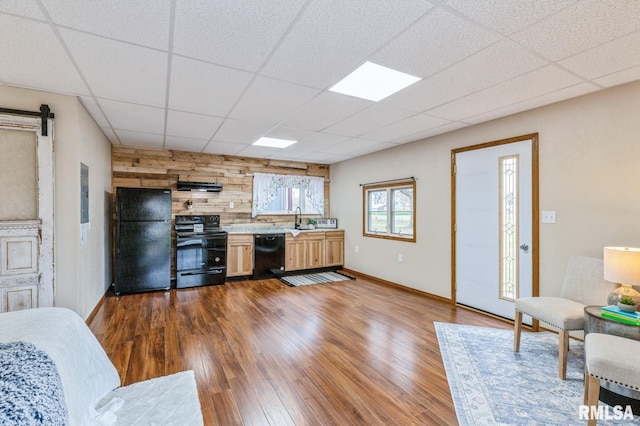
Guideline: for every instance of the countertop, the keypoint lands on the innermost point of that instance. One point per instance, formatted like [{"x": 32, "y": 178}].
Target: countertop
[{"x": 235, "y": 229}]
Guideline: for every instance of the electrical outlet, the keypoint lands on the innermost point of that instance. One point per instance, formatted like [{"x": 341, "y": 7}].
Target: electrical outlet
[
  {"x": 399, "y": 258},
  {"x": 357, "y": 249},
  {"x": 549, "y": 217},
  {"x": 231, "y": 204}
]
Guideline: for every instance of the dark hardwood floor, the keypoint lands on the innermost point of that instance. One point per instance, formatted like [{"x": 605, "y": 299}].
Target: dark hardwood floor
[{"x": 349, "y": 353}]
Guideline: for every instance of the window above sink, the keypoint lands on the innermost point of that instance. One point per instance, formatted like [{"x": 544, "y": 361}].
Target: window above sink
[{"x": 282, "y": 194}]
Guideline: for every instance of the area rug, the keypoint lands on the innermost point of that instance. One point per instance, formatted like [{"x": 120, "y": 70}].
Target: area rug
[
  {"x": 319, "y": 278},
  {"x": 492, "y": 385}
]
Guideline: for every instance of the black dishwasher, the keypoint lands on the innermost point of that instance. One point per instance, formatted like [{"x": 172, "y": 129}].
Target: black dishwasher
[{"x": 268, "y": 255}]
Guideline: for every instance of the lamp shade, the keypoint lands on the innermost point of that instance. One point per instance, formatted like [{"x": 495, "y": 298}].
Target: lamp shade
[{"x": 622, "y": 265}]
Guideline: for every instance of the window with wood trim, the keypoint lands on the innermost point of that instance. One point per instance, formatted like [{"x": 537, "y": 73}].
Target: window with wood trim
[{"x": 389, "y": 211}]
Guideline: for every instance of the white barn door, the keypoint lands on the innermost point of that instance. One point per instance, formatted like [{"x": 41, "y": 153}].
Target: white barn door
[{"x": 26, "y": 214}]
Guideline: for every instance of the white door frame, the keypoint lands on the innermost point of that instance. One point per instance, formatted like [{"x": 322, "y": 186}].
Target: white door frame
[{"x": 535, "y": 221}]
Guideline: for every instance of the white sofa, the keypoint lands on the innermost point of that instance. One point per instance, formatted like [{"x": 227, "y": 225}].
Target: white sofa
[{"x": 90, "y": 384}]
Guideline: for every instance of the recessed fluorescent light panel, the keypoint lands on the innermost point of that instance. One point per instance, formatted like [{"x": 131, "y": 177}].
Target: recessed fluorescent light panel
[
  {"x": 273, "y": 142},
  {"x": 373, "y": 82}
]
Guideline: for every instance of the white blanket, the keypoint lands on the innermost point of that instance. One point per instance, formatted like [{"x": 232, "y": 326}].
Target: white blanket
[
  {"x": 91, "y": 382},
  {"x": 168, "y": 400},
  {"x": 86, "y": 372}
]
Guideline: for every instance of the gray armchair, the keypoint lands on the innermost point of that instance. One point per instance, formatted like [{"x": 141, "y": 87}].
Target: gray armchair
[{"x": 583, "y": 285}]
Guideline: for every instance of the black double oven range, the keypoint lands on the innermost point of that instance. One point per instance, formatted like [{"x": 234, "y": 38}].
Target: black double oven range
[{"x": 201, "y": 251}]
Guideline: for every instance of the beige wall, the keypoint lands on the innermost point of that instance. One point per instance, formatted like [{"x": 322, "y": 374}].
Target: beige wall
[
  {"x": 589, "y": 168},
  {"x": 80, "y": 270}
]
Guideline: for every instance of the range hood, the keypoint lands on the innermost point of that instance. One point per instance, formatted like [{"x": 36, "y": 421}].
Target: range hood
[{"x": 199, "y": 186}]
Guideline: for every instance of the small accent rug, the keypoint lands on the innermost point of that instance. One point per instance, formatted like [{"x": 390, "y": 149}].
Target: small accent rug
[
  {"x": 319, "y": 278},
  {"x": 492, "y": 385}
]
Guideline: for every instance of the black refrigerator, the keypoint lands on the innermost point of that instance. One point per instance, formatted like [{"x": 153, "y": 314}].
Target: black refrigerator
[{"x": 143, "y": 240}]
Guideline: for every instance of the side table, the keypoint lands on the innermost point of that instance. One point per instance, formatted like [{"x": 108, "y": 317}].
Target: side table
[{"x": 610, "y": 393}]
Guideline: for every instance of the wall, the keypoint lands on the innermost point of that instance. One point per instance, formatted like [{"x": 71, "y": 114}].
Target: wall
[
  {"x": 589, "y": 157},
  {"x": 79, "y": 280},
  {"x": 94, "y": 262},
  {"x": 152, "y": 168}
]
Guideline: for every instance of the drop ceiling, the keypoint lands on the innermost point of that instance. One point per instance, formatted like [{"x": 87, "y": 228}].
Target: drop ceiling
[{"x": 213, "y": 76}]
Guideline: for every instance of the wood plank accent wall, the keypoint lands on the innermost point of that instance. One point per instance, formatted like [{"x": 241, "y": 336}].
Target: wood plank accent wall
[{"x": 156, "y": 168}]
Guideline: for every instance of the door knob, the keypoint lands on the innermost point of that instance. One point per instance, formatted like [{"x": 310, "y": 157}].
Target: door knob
[{"x": 524, "y": 247}]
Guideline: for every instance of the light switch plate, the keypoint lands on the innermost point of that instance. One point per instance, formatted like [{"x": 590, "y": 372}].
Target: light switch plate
[{"x": 549, "y": 217}]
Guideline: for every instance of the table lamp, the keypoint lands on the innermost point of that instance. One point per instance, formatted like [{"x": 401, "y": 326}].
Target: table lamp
[{"x": 622, "y": 265}]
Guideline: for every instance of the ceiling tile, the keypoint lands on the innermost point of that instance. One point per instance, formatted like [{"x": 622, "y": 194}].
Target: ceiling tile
[
  {"x": 535, "y": 102},
  {"x": 533, "y": 84},
  {"x": 374, "y": 117},
  {"x": 288, "y": 133},
  {"x": 435, "y": 42},
  {"x": 319, "y": 141},
  {"x": 223, "y": 148},
  {"x": 620, "y": 54},
  {"x": 146, "y": 140},
  {"x": 498, "y": 62},
  {"x": 204, "y": 88},
  {"x": 184, "y": 144},
  {"x": 226, "y": 33},
  {"x": 507, "y": 17},
  {"x": 350, "y": 146},
  {"x": 144, "y": 23},
  {"x": 102, "y": 62},
  {"x": 242, "y": 132},
  {"x": 44, "y": 65},
  {"x": 188, "y": 125},
  {"x": 257, "y": 151},
  {"x": 94, "y": 110},
  {"x": 581, "y": 26},
  {"x": 619, "y": 77},
  {"x": 320, "y": 36},
  {"x": 240, "y": 70},
  {"x": 373, "y": 148},
  {"x": 111, "y": 135},
  {"x": 405, "y": 127},
  {"x": 325, "y": 110},
  {"x": 324, "y": 157},
  {"x": 271, "y": 101},
  {"x": 140, "y": 118},
  {"x": 25, "y": 8},
  {"x": 449, "y": 127}
]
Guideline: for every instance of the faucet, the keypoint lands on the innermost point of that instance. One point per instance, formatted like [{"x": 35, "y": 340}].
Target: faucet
[{"x": 297, "y": 219}]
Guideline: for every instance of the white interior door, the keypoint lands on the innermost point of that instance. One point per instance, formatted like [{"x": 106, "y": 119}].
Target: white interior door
[{"x": 493, "y": 226}]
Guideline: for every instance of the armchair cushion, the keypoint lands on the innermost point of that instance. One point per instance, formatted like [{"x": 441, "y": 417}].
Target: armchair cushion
[{"x": 562, "y": 313}]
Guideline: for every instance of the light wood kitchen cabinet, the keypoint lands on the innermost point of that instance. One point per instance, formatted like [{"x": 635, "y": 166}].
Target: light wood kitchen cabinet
[
  {"x": 334, "y": 246},
  {"x": 314, "y": 250},
  {"x": 239, "y": 255},
  {"x": 294, "y": 253}
]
